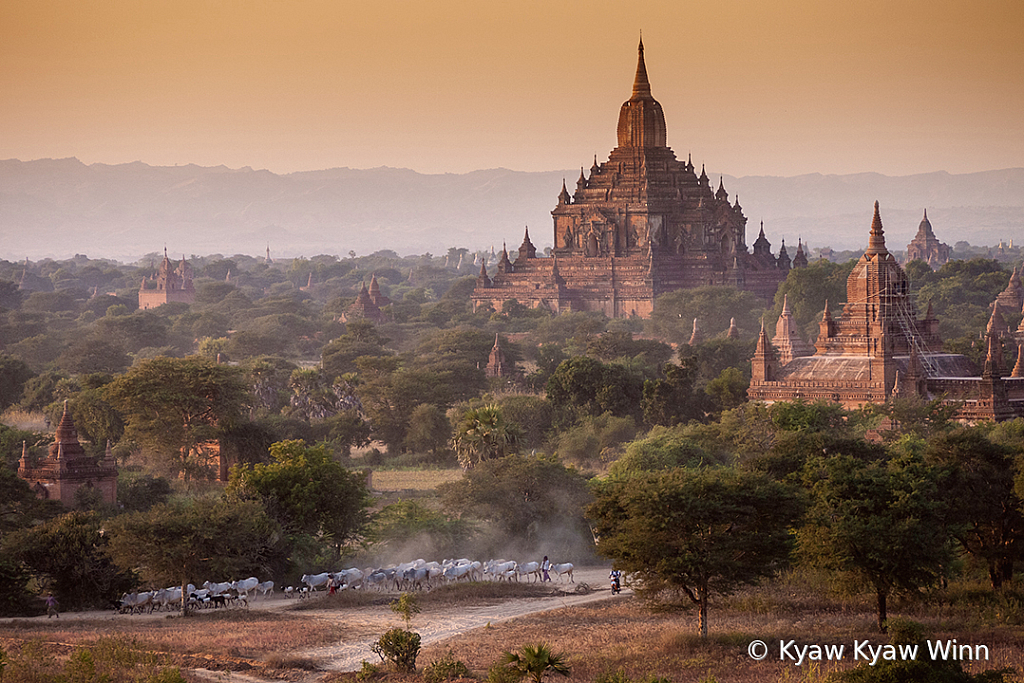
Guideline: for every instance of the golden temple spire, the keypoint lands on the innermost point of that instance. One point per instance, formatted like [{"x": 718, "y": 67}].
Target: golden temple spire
[{"x": 641, "y": 86}]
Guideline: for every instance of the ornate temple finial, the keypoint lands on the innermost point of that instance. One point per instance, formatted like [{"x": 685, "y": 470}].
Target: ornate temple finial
[
  {"x": 563, "y": 196},
  {"x": 641, "y": 86},
  {"x": 876, "y": 243},
  {"x": 785, "y": 305},
  {"x": 826, "y": 314}
]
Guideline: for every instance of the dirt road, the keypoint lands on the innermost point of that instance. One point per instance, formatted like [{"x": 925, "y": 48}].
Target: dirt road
[{"x": 366, "y": 624}]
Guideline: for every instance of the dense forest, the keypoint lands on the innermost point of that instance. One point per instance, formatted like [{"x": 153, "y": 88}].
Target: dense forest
[{"x": 267, "y": 372}]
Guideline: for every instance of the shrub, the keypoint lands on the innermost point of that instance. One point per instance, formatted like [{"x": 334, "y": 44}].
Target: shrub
[
  {"x": 399, "y": 648},
  {"x": 446, "y": 668},
  {"x": 621, "y": 677},
  {"x": 500, "y": 673},
  {"x": 368, "y": 672}
]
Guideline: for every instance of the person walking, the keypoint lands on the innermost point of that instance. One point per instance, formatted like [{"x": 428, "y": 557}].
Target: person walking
[
  {"x": 51, "y": 606},
  {"x": 545, "y": 565}
]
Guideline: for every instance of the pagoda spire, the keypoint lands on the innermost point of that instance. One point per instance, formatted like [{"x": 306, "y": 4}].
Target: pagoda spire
[
  {"x": 876, "y": 243},
  {"x": 1018, "y": 367},
  {"x": 697, "y": 337},
  {"x": 641, "y": 86}
]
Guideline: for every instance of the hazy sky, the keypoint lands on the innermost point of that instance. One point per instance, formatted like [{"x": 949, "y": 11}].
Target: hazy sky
[{"x": 750, "y": 87}]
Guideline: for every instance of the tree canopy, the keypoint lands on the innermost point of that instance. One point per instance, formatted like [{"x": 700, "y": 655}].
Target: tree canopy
[
  {"x": 195, "y": 540},
  {"x": 700, "y": 532},
  {"x": 175, "y": 406},
  {"x": 306, "y": 491}
]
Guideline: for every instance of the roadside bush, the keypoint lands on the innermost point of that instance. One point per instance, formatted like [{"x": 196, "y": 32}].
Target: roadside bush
[
  {"x": 921, "y": 670},
  {"x": 369, "y": 672},
  {"x": 399, "y": 648},
  {"x": 447, "y": 668}
]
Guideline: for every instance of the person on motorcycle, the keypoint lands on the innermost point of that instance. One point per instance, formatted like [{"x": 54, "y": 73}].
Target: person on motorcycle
[{"x": 616, "y": 581}]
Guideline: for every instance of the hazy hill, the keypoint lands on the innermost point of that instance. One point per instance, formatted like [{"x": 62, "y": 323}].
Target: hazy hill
[{"x": 61, "y": 207}]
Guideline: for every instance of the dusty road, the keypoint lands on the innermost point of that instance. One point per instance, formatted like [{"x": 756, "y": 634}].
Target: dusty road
[
  {"x": 438, "y": 625},
  {"x": 364, "y": 625}
]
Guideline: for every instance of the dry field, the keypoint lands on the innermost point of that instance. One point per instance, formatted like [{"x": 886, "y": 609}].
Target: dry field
[
  {"x": 314, "y": 641},
  {"x": 412, "y": 480}
]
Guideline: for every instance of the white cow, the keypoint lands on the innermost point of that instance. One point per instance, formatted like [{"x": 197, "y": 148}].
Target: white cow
[
  {"x": 501, "y": 569},
  {"x": 166, "y": 598},
  {"x": 529, "y": 569},
  {"x": 265, "y": 588},
  {"x": 218, "y": 588},
  {"x": 314, "y": 581},
  {"x": 247, "y": 586},
  {"x": 563, "y": 570}
]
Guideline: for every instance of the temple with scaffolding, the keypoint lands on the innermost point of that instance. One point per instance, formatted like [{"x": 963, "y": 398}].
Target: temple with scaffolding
[{"x": 878, "y": 347}]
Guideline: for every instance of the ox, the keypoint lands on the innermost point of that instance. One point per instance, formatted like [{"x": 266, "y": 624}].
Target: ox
[
  {"x": 314, "y": 581},
  {"x": 563, "y": 570}
]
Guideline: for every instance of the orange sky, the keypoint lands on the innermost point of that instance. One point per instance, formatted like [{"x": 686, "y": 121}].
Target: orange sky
[{"x": 749, "y": 87}]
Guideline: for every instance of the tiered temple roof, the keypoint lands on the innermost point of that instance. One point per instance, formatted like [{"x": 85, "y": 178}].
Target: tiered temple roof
[
  {"x": 67, "y": 468},
  {"x": 638, "y": 225},
  {"x": 879, "y": 347},
  {"x": 926, "y": 246}
]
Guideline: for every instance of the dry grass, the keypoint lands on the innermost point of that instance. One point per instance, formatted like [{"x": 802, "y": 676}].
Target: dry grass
[
  {"x": 412, "y": 480},
  {"x": 615, "y": 635},
  {"x": 29, "y": 421},
  {"x": 237, "y": 633}
]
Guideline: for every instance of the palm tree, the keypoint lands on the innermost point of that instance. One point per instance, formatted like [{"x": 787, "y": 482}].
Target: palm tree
[
  {"x": 482, "y": 434},
  {"x": 535, "y": 661}
]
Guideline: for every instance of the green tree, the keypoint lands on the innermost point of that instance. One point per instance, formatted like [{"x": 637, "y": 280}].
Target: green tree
[
  {"x": 20, "y": 508},
  {"x": 482, "y": 434},
  {"x": 306, "y": 491},
  {"x": 402, "y": 522},
  {"x": 67, "y": 555},
  {"x": 662, "y": 449},
  {"x": 93, "y": 355},
  {"x": 138, "y": 494},
  {"x": 533, "y": 661},
  {"x": 429, "y": 430},
  {"x": 977, "y": 479},
  {"x": 584, "y": 386},
  {"x": 808, "y": 289},
  {"x": 673, "y": 400},
  {"x": 699, "y": 532},
  {"x": 176, "y": 407},
  {"x": 390, "y": 392},
  {"x": 13, "y": 376},
  {"x": 672, "y": 318},
  {"x": 526, "y": 496},
  {"x": 882, "y": 521},
  {"x": 361, "y": 338},
  {"x": 532, "y": 414},
  {"x": 189, "y": 540}
]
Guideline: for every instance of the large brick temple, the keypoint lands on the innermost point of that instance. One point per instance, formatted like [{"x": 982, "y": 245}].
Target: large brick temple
[
  {"x": 879, "y": 347},
  {"x": 641, "y": 224}
]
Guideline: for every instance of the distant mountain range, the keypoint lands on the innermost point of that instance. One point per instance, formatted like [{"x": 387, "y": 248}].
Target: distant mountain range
[{"x": 60, "y": 207}]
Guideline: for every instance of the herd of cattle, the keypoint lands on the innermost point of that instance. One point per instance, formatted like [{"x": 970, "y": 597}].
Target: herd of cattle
[{"x": 415, "y": 575}]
